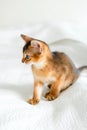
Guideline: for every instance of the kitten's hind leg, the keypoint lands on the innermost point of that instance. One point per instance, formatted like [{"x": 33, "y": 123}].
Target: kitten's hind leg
[{"x": 55, "y": 89}]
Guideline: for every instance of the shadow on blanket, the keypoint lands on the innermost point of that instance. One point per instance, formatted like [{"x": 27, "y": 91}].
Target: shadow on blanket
[{"x": 24, "y": 91}]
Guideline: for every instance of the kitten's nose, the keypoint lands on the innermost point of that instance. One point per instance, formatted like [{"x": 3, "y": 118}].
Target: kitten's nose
[{"x": 23, "y": 59}]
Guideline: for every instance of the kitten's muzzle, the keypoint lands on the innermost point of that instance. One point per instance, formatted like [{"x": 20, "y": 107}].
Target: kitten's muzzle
[{"x": 23, "y": 60}]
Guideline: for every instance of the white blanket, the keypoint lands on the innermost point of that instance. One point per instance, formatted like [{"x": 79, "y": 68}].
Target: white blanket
[{"x": 69, "y": 110}]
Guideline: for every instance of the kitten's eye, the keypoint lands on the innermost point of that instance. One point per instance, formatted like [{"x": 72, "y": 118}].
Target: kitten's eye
[{"x": 27, "y": 57}]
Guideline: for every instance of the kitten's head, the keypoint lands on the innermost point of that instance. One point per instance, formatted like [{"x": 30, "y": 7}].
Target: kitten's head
[{"x": 33, "y": 50}]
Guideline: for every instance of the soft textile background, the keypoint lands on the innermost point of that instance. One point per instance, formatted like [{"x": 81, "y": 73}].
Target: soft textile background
[
  {"x": 69, "y": 111},
  {"x": 17, "y": 12}
]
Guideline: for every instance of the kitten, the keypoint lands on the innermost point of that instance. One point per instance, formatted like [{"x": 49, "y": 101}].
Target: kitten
[{"x": 53, "y": 68}]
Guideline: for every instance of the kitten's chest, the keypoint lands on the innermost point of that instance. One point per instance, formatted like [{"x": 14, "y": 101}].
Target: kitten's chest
[
  {"x": 45, "y": 79},
  {"x": 43, "y": 75}
]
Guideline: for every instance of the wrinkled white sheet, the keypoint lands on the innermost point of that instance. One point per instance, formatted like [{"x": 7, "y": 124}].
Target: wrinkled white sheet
[{"x": 69, "y": 111}]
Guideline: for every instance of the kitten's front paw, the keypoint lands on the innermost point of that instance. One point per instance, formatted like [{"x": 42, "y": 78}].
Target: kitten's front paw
[
  {"x": 33, "y": 101},
  {"x": 50, "y": 96}
]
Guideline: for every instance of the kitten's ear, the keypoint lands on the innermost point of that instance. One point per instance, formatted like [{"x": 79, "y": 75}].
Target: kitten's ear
[
  {"x": 26, "y": 38},
  {"x": 37, "y": 46}
]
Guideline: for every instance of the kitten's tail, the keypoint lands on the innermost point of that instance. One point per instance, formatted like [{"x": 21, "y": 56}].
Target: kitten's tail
[{"x": 82, "y": 68}]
